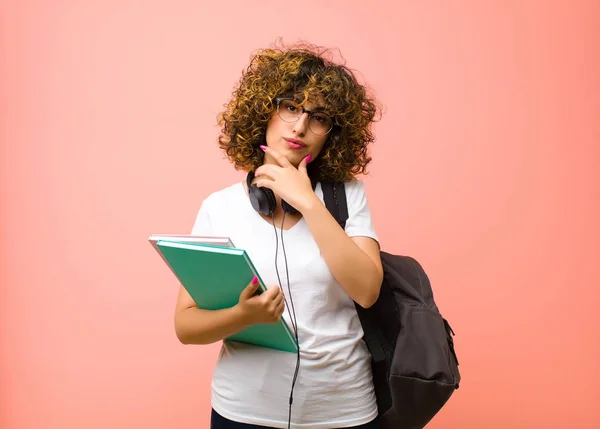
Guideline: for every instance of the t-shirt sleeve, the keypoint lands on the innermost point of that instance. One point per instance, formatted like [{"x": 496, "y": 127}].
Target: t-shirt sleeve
[
  {"x": 360, "y": 222},
  {"x": 202, "y": 225}
]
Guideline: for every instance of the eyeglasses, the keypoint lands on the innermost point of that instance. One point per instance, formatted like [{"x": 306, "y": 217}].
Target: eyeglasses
[{"x": 318, "y": 121}]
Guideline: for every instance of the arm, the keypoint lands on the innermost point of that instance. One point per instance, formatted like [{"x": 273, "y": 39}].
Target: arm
[
  {"x": 197, "y": 326},
  {"x": 354, "y": 262}
]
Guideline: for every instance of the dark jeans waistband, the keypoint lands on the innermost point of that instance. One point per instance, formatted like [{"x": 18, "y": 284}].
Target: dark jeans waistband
[{"x": 217, "y": 421}]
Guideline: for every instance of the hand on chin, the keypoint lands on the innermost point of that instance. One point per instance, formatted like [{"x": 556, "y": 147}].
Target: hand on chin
[{"x": 287, "y": 179}]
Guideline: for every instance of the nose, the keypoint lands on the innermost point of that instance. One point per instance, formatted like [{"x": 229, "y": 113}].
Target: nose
[{"x": 301, "y": 124}]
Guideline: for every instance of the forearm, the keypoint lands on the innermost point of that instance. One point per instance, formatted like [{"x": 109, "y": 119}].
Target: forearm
[
  {"x": 354, "y": 270},
  {"x": 197, "y": 326}
]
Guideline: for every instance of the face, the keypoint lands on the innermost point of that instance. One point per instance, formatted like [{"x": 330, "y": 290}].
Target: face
[{"x": 296, "y": 138}]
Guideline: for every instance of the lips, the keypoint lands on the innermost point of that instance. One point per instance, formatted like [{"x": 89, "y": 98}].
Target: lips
[{"x": 295, "y": 143}]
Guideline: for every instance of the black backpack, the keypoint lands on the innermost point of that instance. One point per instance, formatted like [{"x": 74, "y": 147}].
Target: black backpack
[{"x": 415, "y": 369}]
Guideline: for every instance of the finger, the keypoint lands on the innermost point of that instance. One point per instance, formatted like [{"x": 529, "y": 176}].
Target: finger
[
  {"x": 281, "y": 160},
  {"x": 280, "y": 309},
  {"x": 267, "y": 183},
  {"x": 267, "y": 170},
  {"x": 250, "y": 289},
  {"x": 272, "y": 292},
  {"x": 302, "y": 165}
]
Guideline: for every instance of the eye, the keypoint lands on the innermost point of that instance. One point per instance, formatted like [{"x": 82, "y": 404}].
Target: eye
[
  {"x": 322, "y": 119},
  {"x": 289, "y": 106}
]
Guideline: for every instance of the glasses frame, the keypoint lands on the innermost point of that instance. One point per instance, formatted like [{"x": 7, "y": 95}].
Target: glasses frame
[{"x": 310, "y": 113}]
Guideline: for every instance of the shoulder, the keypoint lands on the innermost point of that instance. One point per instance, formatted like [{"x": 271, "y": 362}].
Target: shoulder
[
  {"x": 355, "y": 192},
  {"x": 223, "y": 197},
  {"x": 218, "y": 203},
  {"x": 216, "y": 206},
  {"x": 360, "y": 222},
  {"x": 354, "y": 186}
]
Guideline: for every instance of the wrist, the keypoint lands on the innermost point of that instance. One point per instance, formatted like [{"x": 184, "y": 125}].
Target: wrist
[
  {"x": 309, "y": 204},
  {"x": 241, "y": 316}
]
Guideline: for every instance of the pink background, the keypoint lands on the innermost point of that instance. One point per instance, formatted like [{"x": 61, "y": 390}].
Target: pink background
[{"x": 486, "y": 169}]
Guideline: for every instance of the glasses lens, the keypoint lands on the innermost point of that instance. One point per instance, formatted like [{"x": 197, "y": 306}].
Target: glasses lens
[
  {"x": 289, "y": 111},
  {"x": 320, "y": 123}
]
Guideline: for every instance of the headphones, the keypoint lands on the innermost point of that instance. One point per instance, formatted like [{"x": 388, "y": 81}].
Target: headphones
[{"x": 263, "y": 199}]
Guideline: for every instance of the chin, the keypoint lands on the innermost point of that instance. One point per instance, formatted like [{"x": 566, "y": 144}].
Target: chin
[
  {"x": 293, "y": 155},
  {"x": 295, "y": 158}
]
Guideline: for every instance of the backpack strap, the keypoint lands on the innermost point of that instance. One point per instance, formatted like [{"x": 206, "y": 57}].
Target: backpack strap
[{"x": 334, "y": 195}]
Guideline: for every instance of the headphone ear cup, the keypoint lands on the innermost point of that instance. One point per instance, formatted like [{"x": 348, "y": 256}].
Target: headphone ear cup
[
  {"x": 288, "y": 208},
  {"x": 262, "y": 200}
]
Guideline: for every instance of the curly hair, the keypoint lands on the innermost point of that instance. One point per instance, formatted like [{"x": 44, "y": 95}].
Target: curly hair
[{"x": 306, "y": 73}]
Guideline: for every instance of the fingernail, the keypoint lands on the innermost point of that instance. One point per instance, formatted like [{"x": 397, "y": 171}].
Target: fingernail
[
  {"x": 263, "y": 147},
  {"x": 255, "y": 280},
  {"x": 308, "y": 157}
]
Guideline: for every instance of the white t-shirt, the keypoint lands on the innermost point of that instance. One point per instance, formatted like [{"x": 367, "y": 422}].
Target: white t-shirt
[{"x": 252, "y": 384}]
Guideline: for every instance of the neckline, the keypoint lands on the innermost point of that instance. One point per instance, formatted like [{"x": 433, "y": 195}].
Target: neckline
[{"x": 263, "y": 221}]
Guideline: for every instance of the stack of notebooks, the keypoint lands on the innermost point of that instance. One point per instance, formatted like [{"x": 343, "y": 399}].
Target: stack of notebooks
[{"x": 214, "y": 272}]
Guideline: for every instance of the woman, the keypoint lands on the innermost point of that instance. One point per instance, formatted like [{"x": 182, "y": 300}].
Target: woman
[{"x": 294, "y": 120}]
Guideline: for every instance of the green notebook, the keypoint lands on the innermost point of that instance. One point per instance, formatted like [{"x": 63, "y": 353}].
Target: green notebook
[{"x": 214, "y": 276}]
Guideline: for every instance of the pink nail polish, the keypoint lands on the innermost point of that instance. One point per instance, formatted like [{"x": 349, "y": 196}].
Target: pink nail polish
[
  {"x": 308, "y": 157},
  {"x": 255, "y": 280},
  {"x": 263, "y": 147}
]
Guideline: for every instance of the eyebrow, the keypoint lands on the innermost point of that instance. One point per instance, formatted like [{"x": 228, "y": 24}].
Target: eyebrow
[
  {"x": 322, "y": 109},
  {"x": 316, "y": 109}
]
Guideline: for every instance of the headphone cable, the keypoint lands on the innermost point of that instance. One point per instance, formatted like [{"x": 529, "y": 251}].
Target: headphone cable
[
  {"x": 279, "y": 279},
  {"x": 292, "y": 313},
  {"x": 295, "y": 321}
]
